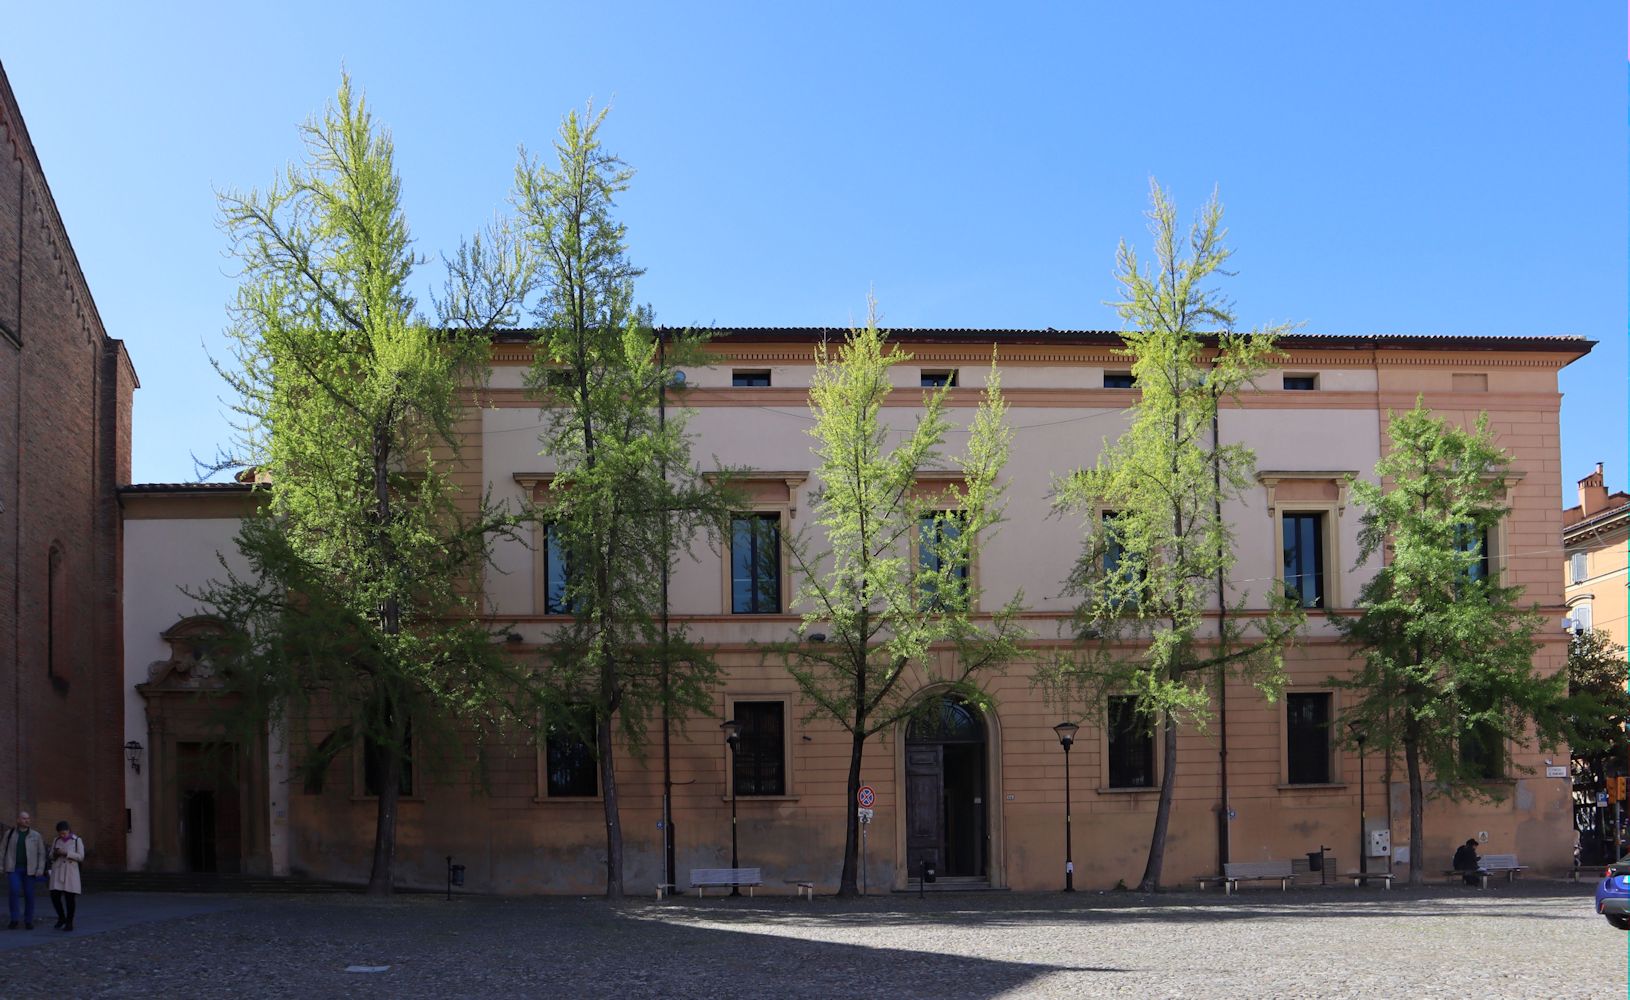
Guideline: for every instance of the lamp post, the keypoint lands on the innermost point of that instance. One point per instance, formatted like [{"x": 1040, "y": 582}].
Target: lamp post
[
  {"x": 732, "y": 736},
  {"x": 1066, "y": 737},
  {"x": 1357, "y": 729}
]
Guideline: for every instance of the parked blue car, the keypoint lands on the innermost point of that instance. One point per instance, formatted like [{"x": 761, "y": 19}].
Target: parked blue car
[{"x": 1613, "y": 894}]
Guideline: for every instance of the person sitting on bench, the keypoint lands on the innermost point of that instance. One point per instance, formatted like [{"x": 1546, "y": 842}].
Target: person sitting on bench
[{"x": 1466, "y": 860}]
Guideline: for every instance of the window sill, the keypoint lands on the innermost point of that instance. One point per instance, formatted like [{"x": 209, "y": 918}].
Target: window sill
[
  {"x": 1319, "y": 786},
  {"x": 761, "y": 798},
  {"x": 375, "y": 798},
  {"x": 567, "y": 800},
  {"x": 1145, "y": 790}
]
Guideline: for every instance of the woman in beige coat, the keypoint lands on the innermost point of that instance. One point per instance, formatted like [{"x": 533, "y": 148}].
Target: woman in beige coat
[{"x": 67, "y": 851}]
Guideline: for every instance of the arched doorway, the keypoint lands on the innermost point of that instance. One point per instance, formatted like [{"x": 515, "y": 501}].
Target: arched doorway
[{"x": 946, "y": 813}]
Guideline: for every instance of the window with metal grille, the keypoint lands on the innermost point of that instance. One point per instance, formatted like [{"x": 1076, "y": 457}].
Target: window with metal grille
[
  {"x": 761, "y": 753},
  {"x": 570, "y": 762},
  {"x": 750, "y": 378},
  {"x": 1307, "y": 738},
  {"x": 1301, "y": 383},
  {"x": 1131, "y": 745}
]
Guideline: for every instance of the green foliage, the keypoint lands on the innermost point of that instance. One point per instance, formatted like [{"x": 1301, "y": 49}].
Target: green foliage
[
  {"x": 1598, "y": 704},
  {"x": 1447, "y": 650},
  {"x": 625, "y": 486},
  {"x": 885, "y": 609},
  {"x": 362, "y": 597},
  {"x": 1155, "y": 547}
]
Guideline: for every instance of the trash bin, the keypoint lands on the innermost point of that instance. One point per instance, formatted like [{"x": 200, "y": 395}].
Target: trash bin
[{"x": 1315, "y": 861}]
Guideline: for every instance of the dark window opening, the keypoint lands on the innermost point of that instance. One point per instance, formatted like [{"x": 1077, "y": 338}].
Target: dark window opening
[
  {"x": 750, "y": 379},
  {"x": 559, "y": 379},
  {"x": 373, "y": 764},
  {"x": 755, "y": 564},
  {"x": 1303, "y": 536},
  {"x": 939, "y": 379},
  {"x": 1301, "y": 383},
  {"x": 761, "y": 760},
  {"x": 571, "y": 763},
  {"x": 1131, "y": 745},
  {"x": 1120, "y": 380},
  {"x": 1307, "y": 738}
]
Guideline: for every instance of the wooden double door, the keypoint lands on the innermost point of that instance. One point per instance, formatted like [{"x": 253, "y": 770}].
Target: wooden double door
[{"x": 946, "y": 789}]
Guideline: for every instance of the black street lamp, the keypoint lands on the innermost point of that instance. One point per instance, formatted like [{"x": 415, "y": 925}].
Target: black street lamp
[
  {"x": 1066, "y": 737},
  {"x": 732, "y": 736},
  {"x": 1357, "y": 729}
]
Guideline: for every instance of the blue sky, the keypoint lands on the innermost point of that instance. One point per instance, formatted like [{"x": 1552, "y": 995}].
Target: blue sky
[{"x": 1404, "y": 168}]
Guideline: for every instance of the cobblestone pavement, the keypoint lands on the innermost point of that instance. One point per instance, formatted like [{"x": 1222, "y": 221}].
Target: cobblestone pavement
[{"x": 1538, "y": 939}]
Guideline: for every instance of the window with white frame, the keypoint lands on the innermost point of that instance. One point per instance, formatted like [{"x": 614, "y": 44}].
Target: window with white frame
[{"x": 1578, "y": 570}]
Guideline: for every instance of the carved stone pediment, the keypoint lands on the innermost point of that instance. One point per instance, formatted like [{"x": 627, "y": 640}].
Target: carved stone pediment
[{"x": 189, "y": 667}]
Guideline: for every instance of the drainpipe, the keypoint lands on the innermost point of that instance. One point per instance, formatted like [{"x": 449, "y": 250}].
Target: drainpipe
[
  {"x": 667, "y": 545},
  {"x": 1222, "y": 669}
]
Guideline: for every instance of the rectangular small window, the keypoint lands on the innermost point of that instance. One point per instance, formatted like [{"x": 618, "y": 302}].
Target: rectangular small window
[
  {"x": 1578, "y": 570},
  {"x": 1304, "y": 558},
  {"x": 752, "y": 378},
  {"x": 936, "y": 534},
  {"x": 761, "y": 753},
  {"x": 1119, "y": 380},
  {"x": 556, "y": 575},
  {"x": 1301, "y": 383},
  {"x": 1131, "y": 745},
  {"x": 373, "y": 765},
  {"x": 559, "y": 379},
  {"x": 938, "y": 379},
  {"x": 1307, "y": 738},
  {"x": 1469, "y": 538},
  {"x": 571, "y": 762},
  {"x": 755, "y": 564}
]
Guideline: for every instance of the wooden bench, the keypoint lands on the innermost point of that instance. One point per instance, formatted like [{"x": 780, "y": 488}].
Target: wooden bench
[
  {"x": 1493, "y": 864},
  {"x": 702, "y": 879},
  {"x": 1359, "y": 878},
  {"x": 1251, "y": 871}
]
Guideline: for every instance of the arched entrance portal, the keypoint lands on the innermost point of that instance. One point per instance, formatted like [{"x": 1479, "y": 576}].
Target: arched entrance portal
[{"x": 946, "y": 813}]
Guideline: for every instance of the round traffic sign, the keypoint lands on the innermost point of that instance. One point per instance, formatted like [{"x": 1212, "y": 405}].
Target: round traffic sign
[{"x": 866, "y": 797}]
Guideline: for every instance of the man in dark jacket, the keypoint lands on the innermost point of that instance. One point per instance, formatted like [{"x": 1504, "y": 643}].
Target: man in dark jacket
[
  {"x": 22, "y": 858},
  {"x": 1466, "y": 860}
]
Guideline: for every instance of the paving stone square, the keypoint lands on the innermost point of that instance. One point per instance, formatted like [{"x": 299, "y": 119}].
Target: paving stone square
[{"x": 1535, "y": 939}]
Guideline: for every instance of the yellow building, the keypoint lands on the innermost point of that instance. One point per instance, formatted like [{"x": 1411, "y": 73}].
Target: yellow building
[
  {"x": 1594, "y": 543},
  {"x": 986, "y": 795}
]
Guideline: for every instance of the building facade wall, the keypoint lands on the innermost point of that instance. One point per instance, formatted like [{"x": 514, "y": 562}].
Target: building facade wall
[
  {"x": 65, "y": 402},
  {"x": 515, "y": 838}
]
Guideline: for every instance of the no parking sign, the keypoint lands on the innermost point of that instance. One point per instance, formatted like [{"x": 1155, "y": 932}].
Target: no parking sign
[{"x": 866, "y": 797}]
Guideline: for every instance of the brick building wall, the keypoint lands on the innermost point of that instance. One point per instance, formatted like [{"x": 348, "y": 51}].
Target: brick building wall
[{"x": 65, "y": 401}]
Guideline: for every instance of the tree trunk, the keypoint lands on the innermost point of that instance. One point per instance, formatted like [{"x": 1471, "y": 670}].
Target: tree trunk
[
  {"x": 382, "y": 876},
  {"x": 848, "y": 885},
  {"x": 1417, "y": 808},
  {"x": 614, "y": 823},
  {"x": 1163, "y": 812}
]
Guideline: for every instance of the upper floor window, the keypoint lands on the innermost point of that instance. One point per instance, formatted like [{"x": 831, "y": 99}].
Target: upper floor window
[
  {"x": 1120, "y": 380},
  {"x": 1301, "y": 383},
  {"x": 755, "y": 563},
  {"x": 937, "y": 534},
  {"x": 1472, "y": 539},
  {"x": 750, "y": 377},
  {"x": 1307, "y": 738},
  {"x": 1578, "y": 568},
  {"x": 761, "y": 753},
  {"x": 571, "y": 764},
  {"x": 943, "y": 378},
  {"x": 1303, "y": 537},
  {"x": 556, "y": 575},
  {"x": 1131, "y": 745},
  {"x": 1581, "y": 616},
  {"x": 1481, "y": 753}
]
